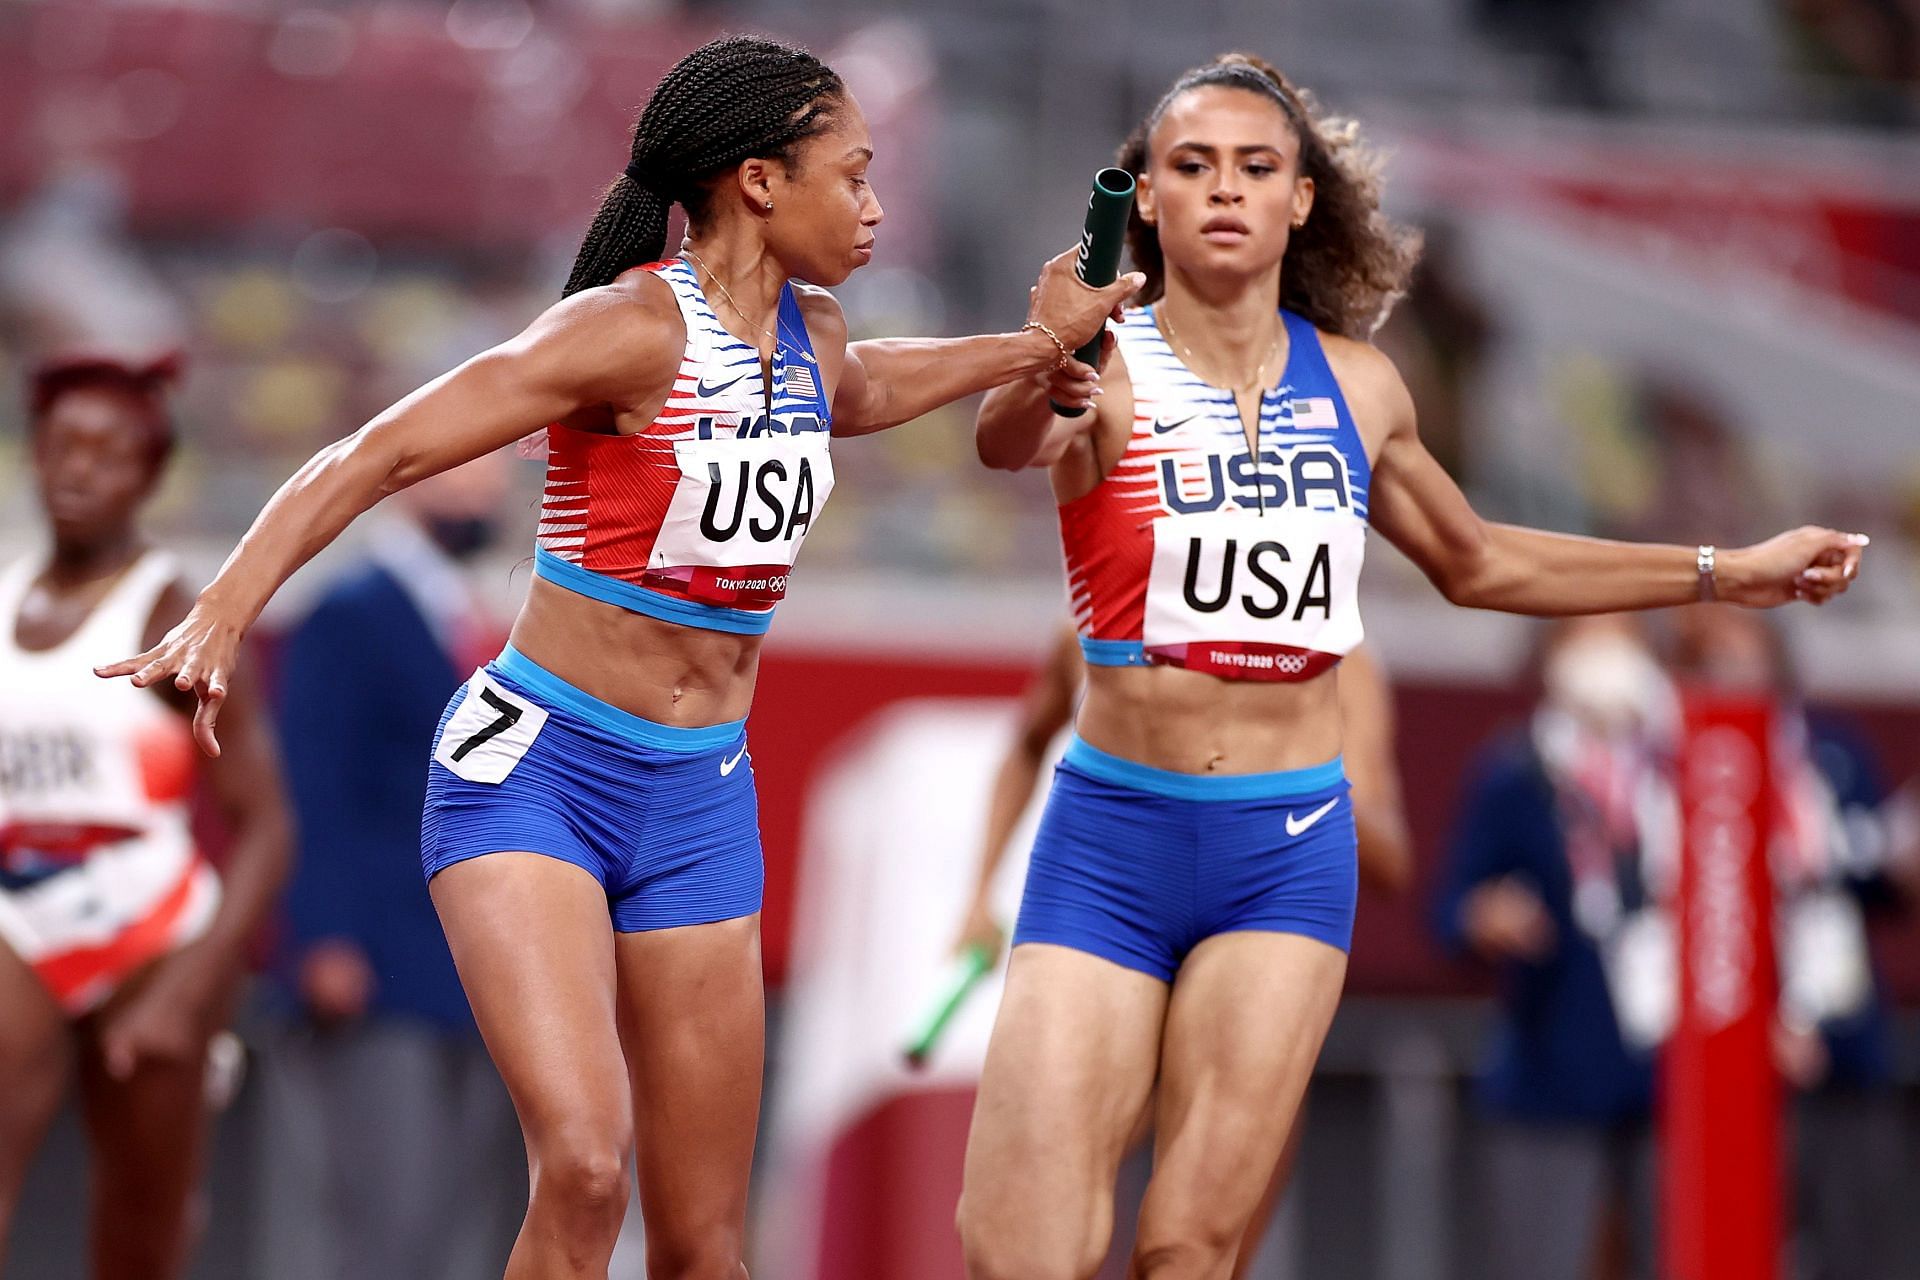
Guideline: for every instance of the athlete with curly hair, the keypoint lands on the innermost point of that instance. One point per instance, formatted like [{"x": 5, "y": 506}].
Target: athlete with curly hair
[{"x": 1190, "y": 896}]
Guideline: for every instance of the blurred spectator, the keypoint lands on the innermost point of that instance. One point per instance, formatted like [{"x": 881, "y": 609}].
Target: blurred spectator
[
  {"x": 1562, "y": 849},
  {"x": 122, "y": 947},
  {"x": 71, "y": 274},
  {"x": 1833, "y": 860},
  {"x": 1565, "y": 853},
  {"x": 381, "y": 1083}
]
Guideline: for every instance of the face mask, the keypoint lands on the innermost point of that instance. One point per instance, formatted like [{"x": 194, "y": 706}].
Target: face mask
[
  {"x": 461, "y": 537},
  {"x": 1609, "y": 683}
]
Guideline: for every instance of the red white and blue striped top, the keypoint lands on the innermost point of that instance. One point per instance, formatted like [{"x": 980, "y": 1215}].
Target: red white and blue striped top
[
  {"x": 1195, "y": 551},
  {"x": 697, "y": 519}
]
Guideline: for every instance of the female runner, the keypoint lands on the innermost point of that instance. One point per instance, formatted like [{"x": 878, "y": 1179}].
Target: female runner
[
  {"x": 120, "y": 949},
  {"x": 1383, "y": 846},
  {"x": 590, "y": 829},
  {"x": 1191, "y": 892}
]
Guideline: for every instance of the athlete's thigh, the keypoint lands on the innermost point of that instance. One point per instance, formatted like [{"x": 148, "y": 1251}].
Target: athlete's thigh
[
  {"x": 534, "y": 947},
  {"x": 35, "y": 1062},
  {"x": 1246, "y": 1020},
  {"x": 1069, "y": 1070},
  {"x": 147, "y": 1135},
  {"x": 693, "y": 1019}
]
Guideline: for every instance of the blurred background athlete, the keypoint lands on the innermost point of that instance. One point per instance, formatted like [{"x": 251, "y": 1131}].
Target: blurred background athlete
[{"x": 121, "y": 949}]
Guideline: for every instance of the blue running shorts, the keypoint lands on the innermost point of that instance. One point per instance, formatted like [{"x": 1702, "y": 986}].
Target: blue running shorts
[
  {"x": 666, "y": 819},
  {"x": 1138, "y": 865}
]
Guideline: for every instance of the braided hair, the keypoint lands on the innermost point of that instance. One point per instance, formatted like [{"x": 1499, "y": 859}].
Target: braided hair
[
  {"x": 1350, "y": 263},
  {"x": 731, "y": 99}
]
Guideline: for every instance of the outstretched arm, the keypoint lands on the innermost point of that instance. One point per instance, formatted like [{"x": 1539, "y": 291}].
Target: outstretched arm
[
  {"x": 600, "y": 347},
  {"x": 885, "y": 382},
  {"x": 888, "y": 381},
  {"x": 1483, "y": 565},
  {"x": 1017, "y": 426}
]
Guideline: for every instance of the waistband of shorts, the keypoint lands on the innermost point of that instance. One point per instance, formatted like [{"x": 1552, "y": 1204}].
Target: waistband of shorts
[
  {"x": 556, "y": 694},
  {"x": 1281, "y": 785}
]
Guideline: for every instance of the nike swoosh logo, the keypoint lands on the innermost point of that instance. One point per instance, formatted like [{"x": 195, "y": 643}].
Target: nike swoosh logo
[
  {"x": 1296, "y": 825},
  {"x": 727, "y": 766},
  {"x": 1161, "y": 428},
  {"x": 701, "y": 388}
]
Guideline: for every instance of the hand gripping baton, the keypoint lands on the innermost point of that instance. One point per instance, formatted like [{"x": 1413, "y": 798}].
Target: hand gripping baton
[{"x": 1100, "y": 245}]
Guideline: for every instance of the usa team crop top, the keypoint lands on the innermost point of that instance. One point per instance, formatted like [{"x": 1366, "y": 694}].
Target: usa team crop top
[
  {"x": 1196, "y": 551},
  {"x": 696, "y": 520}
]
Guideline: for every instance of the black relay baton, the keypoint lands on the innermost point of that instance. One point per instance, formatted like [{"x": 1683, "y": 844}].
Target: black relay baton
[{"x": 1100, "y": 245}]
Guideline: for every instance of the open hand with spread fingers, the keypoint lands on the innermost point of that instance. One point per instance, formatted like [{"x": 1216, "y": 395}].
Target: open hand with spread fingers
[{"x": 198, "y": 656}]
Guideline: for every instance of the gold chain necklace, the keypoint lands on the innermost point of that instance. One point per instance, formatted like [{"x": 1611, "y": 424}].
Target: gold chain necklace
[
  {"x": 721, "y": 286},
  {"x": 1259, "y": 380}
]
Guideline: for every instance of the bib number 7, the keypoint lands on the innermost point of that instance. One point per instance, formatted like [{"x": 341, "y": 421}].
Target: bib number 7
[
  {"x": 509, "y": 716},
  {"x": 489, "y": 732}
]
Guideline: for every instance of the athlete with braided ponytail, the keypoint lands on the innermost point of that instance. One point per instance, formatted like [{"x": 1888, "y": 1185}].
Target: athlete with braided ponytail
[
  {"x": 591, "y": 832},
  {"x": 1190, "y": 895}
]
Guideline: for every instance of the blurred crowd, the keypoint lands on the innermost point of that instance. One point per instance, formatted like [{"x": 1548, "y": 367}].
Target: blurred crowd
[{"x": 1562, "y": 873}]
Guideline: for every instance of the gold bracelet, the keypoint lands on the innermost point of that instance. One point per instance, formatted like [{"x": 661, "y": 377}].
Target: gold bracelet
[{"x": 1051, "y": 337}]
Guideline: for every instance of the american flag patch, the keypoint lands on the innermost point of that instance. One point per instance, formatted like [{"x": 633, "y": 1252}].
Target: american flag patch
[
  {"x": 1314, "y": 413},
  {"x": 800, "y": 382}
]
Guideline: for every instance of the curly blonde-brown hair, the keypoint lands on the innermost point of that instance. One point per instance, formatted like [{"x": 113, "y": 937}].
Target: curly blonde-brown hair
[{"x": 1350, "y": 263}]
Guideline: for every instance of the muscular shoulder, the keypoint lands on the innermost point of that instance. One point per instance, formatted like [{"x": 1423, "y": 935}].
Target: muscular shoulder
[
  {"x": 618, "y": 336},
  {"x": 826, "y": 321},
  {"x": 1375, "y": 392}
]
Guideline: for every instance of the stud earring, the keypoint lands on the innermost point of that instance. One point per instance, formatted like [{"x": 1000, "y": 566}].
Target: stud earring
[{"x": 769, "y": 206}]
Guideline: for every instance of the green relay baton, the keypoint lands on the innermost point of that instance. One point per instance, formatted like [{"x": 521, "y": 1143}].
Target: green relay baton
[
  {"x": 1100, "y": 245},
  {"x": 963, "y": 974}
]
